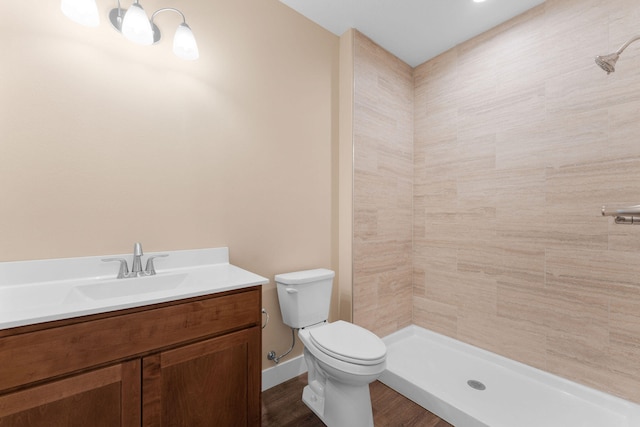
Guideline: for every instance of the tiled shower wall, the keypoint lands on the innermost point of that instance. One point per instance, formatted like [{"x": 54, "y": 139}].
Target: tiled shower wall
[
  {"x": 383, "y": 188},
  {"x": 519, "y": 140}
]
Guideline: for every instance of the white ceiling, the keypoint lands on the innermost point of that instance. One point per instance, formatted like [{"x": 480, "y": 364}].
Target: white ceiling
[{"x": 413, "y": 30}]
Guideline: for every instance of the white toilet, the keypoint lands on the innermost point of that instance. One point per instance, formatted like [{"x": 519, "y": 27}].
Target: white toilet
[{"x": 342, "y": 358}]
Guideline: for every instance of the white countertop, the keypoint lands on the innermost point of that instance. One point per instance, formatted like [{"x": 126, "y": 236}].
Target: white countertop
[{"x": 44, "y": 290}]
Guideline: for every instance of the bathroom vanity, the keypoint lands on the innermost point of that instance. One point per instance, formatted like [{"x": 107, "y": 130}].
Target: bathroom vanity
[{"x": 188, "y": 357}]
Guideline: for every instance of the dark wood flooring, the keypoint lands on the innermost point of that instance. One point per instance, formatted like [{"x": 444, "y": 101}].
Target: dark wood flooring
[{"x": 282, "y": 406}]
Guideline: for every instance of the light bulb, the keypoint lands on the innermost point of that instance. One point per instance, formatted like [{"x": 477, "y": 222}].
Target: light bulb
[
  {"x": 83, "y": 12},
  {"x": 184, "y": 43},
  {"x": 136, "y": 26}
]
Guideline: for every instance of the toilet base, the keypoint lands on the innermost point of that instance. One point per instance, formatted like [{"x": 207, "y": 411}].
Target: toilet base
[
  {"x": 314, "y": 402},
  {"x": 345, "y": 405}
]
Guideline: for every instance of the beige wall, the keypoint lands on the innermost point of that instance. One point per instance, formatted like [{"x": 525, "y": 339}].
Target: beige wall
[
  {"x": 519, "y": 140},
  {"x": 382, "y": 194},
  {"x": 104, "y": 143}
]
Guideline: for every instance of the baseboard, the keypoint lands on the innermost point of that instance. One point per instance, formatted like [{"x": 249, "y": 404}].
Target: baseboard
[{"x": 282, "y": 372}]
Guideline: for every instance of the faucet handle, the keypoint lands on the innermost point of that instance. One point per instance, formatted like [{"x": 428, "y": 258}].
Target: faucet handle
[
  {"x": 150, "y": 270},
  {"x": 124, "y": 268}
]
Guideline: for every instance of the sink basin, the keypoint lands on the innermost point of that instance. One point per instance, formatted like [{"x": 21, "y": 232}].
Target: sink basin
[
  {"x": 131, "y": 286},
  {"x": 36, "y": 297},
  {"x": 46, "y": 290}
]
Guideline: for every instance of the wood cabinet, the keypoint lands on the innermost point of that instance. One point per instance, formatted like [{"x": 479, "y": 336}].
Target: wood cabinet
[
  {"x": 105, "y": 397},
  {"x": 192, "y": 363},
  {"x": 209, "y": 383}
]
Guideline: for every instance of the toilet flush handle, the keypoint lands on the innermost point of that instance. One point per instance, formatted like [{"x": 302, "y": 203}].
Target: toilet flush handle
[{"x": 292, "y": 291}]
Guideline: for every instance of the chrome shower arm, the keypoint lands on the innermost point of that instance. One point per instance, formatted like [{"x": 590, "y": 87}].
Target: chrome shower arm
[{"x": 624, "y": 46}]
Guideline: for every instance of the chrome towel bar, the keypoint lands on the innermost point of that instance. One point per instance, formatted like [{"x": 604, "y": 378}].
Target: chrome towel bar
[{"x": 623, "y": 215}]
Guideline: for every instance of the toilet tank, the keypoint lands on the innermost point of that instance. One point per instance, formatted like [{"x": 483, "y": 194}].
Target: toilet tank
[{"x": 305, "y": 296}]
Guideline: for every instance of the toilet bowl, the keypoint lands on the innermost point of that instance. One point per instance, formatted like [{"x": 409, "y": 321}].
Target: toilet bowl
[{"x": 342, "y": 358}]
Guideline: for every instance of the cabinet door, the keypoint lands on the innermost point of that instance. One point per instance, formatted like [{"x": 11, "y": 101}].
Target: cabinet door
[
  {"x": 106, "y": 397},
  {"x": 210, "y": 383}
]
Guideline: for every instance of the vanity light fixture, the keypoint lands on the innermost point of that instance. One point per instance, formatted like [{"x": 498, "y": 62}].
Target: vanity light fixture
[
  {"x": 134, "y": 24},
  {"x": 83, "y": 12}
]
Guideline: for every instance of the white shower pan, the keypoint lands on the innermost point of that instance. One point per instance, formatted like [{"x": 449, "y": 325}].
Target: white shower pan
[{"x": 471, "y": 387}]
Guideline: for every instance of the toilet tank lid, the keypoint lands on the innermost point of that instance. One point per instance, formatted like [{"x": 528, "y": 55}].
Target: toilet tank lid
[{"x": 306, "y": 276}]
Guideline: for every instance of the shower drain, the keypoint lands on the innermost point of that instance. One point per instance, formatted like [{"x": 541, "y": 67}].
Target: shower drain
[{"x": 477, "y": 385}]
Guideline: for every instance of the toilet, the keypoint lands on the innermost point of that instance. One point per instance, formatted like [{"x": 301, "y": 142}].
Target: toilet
[{"x": 342, "y": 358}]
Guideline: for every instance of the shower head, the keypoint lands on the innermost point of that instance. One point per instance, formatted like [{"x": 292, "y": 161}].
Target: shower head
[{"x": 607, "y": 62}]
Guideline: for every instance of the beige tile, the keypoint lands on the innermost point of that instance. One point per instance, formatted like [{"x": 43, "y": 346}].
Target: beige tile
[
  {"x": 383, "y": 189},
  {"x": 523, "y": 304},
  {"x": 476, "y": 295},
  {"x": 522, "y": 51},
  {"x": 479, "y": 329},
  {"x": 436, "y": 316},
  {"x": 624, "y": 321},
  {"x": 483, "y": 261},
  {"x": 434, "y": 80},
  {"x": 573, "y": 315},
  {"x": 575, "y": 30},
  {"x": 435, "y": 125},
  {"x": 555, "y": 140},
  {"x": 579, "y": 361},
  {"x": 506, "y": 109},
  {"x": 437, "y": 161},
  {"x": 623, "y": 127},
  {"x": 600, "y": 273},
  {"x": 624, "y": 368},
  {"x": 439, "y": 272},
  {"x": 520, "y": 195},
  {"x": 623, "y": 239},
  {"x": 504, "y": 336},
  {"x": 584, "y": 187},
  {"x": 523, "y": 265},
  {"x": 575, "y": 195},
  {"x": 576, "y": 138},
  {"x": 523, "y": 342},
  {"x": 523, "y": 146},
  {"x": 380, "y": 256},
  {"x": 475, "y": 156}
]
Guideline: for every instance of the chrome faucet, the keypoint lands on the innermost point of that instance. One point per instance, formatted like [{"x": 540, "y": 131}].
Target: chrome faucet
[{"x": 136, "y": 265}]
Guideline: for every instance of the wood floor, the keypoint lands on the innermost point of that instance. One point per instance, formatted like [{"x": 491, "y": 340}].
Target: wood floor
[{"x": 282, "y": 407}]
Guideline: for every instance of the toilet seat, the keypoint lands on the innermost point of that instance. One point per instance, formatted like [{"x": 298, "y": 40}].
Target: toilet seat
[{"x": 349, "y": 343}]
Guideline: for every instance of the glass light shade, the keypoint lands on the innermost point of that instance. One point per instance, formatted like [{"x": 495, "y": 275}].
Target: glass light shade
[
  {"x": 136, "y": 26},
  {"x": 184, "y": 43},
  {"x": 83, "y": 12}
]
